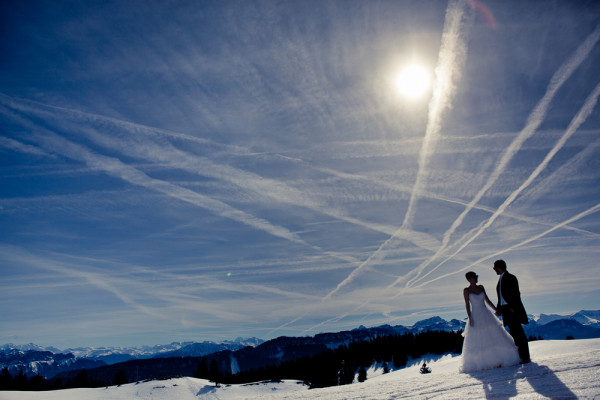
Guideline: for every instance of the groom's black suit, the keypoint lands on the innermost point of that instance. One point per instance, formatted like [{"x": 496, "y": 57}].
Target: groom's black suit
[{"x": 513, "y": 313}]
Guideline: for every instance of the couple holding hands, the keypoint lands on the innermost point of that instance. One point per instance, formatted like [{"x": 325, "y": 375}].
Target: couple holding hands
[{"x": 487, "y": 344}]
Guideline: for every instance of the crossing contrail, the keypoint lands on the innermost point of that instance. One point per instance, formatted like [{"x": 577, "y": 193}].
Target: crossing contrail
[
  {"x": 51, "y": 142},
  {"x": 166, "y": 153},
  {"x": 533, "y": 122},
  {"x": 579, "y": 119},
  {"x": 577, "y": 217},
  {"x": 451, "y": 57}
]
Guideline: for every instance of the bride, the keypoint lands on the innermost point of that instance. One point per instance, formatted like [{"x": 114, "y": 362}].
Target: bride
[{"x": 487, "y": 344}]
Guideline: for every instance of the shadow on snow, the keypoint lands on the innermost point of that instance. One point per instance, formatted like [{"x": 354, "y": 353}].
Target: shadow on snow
[{"x": 502, "y": 385}]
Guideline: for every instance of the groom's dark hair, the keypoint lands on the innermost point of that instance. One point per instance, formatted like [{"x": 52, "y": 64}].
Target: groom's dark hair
[{"x": 500, "y": 264}]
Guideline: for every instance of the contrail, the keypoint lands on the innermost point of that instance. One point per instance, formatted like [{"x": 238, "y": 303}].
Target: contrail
[
  {"x": 112, "y": 166},
  {"x": 577, "y": 217},
  {"x": 533, "y": 122},
  {"x": 434, "y": 196},
  {"x": 115, "y": 167},
  {"x": 565, "y": 170},
  {"x": 576, "y": 122},
  {"x": 166, "y": 153},
  {"x": 27, "y": 105},
  {"x": 451, "y": 55},
  {"x": 376, "y": 256},
  {"x": 451, "y": 58}
]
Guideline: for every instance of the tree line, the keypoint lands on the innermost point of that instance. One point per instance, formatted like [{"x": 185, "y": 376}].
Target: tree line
[
  {"x": 342, "y": 365},
  {"x": 40, "y": 383}
]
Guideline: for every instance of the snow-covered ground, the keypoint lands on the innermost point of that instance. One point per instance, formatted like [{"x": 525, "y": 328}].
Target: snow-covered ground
[{"x": 560, "y": 369}]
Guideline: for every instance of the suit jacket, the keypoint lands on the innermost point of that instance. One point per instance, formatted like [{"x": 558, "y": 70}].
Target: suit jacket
[{"x": 512, "y": 295}]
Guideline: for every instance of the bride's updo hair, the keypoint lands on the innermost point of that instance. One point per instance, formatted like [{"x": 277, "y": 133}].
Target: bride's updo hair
[{"x": 470, "y": 275}]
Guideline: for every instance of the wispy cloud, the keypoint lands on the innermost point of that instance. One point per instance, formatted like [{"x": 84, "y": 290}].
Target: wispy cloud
[
  {"x": 16, "y": 255},
  {"x": 11, "y": 144},
  {"x": 173, "y": 293}
]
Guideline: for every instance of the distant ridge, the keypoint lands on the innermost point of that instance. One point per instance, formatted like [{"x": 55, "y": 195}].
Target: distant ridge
[
  {"x": 49, "y": 361},
  {"x": 584, "y": 317}
]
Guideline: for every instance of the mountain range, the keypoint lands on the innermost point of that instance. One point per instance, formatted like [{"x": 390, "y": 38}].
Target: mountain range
[
  {"x": 49, "y": 361},
  {"x": 244, "y": 354},
  {"x": 588, "y": 318}
]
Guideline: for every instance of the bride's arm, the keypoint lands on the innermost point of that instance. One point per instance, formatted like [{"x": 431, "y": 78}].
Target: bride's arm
[
  {"x": 468, "y": 305},
  {"x": 487, "y": 300}
]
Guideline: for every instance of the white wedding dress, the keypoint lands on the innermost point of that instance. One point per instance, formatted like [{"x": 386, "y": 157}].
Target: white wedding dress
[{"x": 487, "y": 344}]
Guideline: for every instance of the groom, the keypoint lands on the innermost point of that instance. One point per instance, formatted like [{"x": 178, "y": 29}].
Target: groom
[{"x": 511, "y": 308}]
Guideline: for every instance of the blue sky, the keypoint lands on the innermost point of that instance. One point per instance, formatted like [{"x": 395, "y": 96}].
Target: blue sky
[{"x": 194, "y": 170}]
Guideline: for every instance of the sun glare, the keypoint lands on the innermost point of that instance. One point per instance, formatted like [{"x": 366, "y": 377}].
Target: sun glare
[{"x": 413, "y": 81}]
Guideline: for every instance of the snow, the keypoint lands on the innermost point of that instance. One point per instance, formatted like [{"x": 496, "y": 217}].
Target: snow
[{"x": 560, "y": 369}]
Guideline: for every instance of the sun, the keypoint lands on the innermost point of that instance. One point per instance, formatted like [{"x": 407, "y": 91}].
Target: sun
[{"x": 413, "y": 81}]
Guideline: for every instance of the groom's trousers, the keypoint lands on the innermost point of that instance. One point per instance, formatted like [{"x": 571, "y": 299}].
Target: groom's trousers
[{"x": 511, "y": 320}]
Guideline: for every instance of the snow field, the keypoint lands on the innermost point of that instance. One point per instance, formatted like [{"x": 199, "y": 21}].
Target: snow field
[{"x": 560, "y": 369}]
